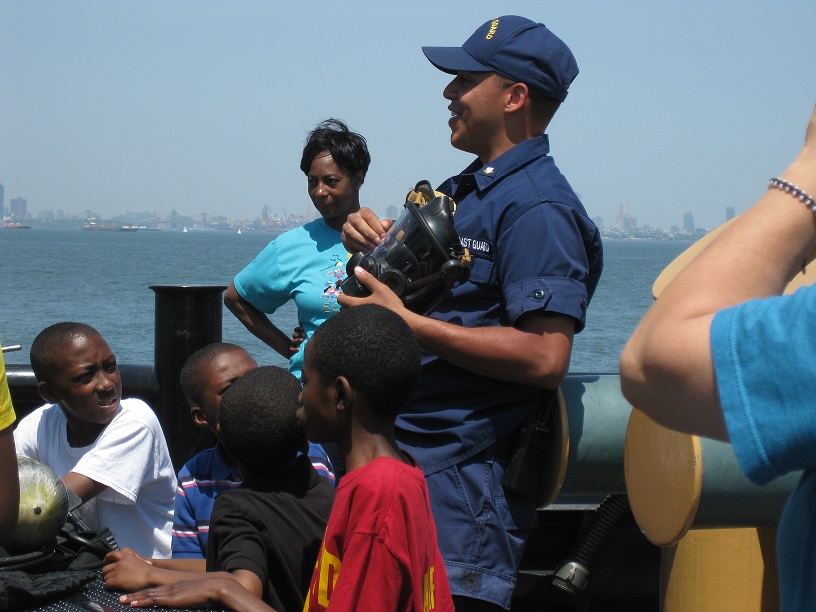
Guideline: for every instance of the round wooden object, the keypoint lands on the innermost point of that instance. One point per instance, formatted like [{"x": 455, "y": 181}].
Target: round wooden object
[
  {"x": 712, "y": 570},
  {"x": 555, "y": 464},
  {"x": 664, "y": 478},
  {"x": 664, "y": 468}
]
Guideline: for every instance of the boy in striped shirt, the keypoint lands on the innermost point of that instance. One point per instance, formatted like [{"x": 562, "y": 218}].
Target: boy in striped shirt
[{"x": 206, "y": 375}]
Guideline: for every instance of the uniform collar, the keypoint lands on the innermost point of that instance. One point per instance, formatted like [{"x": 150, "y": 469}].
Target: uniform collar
[{"x": 508, "y": 162}]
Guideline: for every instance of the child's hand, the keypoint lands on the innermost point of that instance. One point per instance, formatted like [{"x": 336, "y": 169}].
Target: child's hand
[
  {"x": 118, "y": 555},
  {"x": 212, "y": 592},
  {"x": 182, "y": 594},
  {"x": 126, "y": 570}
]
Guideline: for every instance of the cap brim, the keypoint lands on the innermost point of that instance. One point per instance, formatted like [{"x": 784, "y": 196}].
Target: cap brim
[{"x": 453, "y": 60}]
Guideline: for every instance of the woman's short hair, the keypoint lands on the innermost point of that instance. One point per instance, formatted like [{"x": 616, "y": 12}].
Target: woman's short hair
[{"x": 348, "y": 149}]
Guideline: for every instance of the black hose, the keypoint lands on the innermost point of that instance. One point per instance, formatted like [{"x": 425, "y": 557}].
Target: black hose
[
  {"x": 590, "y": 540},
  {"x": 572, "y": 574}
]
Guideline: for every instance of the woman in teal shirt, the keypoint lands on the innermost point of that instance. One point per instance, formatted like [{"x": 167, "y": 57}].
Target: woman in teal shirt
[{"x": 306, "y": 264}]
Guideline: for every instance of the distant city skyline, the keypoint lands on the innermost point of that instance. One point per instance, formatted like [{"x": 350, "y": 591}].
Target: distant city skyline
[
  {"x": 203, "y": 107},
  {"x": 622, "y": 222},
  {"x": 624, "y": 225}
]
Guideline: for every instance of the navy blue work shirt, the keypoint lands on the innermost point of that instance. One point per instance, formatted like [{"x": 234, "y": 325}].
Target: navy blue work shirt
[{"x": 534, "y": 249}]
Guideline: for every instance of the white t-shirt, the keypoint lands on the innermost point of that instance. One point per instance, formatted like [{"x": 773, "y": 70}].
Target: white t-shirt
[{"x": 130, "y": 457}]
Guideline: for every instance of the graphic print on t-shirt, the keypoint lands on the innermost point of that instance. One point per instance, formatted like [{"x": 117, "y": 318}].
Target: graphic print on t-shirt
[{"x": 335, "y": 275}]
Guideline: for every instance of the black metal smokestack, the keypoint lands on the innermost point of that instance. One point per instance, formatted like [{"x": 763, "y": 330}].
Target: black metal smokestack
[{"x": 188, "y": 317}]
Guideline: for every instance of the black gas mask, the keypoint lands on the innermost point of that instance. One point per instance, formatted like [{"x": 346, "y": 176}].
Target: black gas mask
[{"x": 420, "y": 257}]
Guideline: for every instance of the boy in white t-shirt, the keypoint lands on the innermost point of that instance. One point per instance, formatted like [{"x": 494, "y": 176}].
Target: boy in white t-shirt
[{"x": 110, "y": 451}]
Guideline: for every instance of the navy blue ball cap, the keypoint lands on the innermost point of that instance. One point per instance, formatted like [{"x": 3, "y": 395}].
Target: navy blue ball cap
[{"x": 515, "y": 47}]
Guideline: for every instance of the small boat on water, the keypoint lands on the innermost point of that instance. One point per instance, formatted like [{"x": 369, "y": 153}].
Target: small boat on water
[
  {"x": 94, "y": 226},
  {"x": 9, "y": 224}
]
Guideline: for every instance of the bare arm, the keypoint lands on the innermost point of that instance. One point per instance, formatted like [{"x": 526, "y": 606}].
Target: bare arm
[
  {"x": 209, "y": 592},
  {"x": 258, "y": 323},
  {"x": 128, "y": 571},
  {"x": 535, "y": 352},
  {"x": 666, "y": 367},
  {"x": 84, "y": 487},
  {"x": 10, "y": 489},
  {"x": 363, "y": 231},
  {"x": 181, "y": 565}
]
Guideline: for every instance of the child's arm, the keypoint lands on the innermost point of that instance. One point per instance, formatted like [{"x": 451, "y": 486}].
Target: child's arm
[
  {"x": 181, "y": 565},
  {"x": 127, "y": 571},
  {"x": 27, "y": 439},
  {"x": 84, "y": 487},
  {"x": 211, "y": 591},
  {"x": 127, "y": 454}
]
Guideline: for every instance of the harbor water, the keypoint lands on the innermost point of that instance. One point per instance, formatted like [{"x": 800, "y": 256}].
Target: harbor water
[{"x": 102, "y": 278}]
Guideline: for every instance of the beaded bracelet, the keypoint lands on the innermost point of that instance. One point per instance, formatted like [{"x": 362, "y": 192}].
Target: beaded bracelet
[{"x": 783, "y": 185}]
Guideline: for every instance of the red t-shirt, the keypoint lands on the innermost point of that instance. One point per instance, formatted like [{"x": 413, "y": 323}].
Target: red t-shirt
[{"x": 380, "y": 550}]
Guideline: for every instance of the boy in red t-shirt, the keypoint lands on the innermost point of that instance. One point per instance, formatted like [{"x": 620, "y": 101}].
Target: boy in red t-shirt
[{"x": 380, "y": 549}]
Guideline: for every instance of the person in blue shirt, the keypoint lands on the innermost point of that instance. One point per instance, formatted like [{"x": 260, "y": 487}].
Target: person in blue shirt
[
  {"x": 206, "y": 375},
  {"x": 724, "y": 354},
  {"x": 306, "y": 264},
  {"x": 496, "y": 347}
]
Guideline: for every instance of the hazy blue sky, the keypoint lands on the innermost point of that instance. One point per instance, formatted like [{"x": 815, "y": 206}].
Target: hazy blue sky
[{"x": 203, "y": 106}]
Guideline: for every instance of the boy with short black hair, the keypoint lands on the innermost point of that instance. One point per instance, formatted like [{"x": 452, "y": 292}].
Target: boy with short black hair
[
  {"x": 380, "y": 549},
  {"x": 205, "y": 377},
  {"x": 111, "y": 452},
  {"x": 265, "y": 534}
]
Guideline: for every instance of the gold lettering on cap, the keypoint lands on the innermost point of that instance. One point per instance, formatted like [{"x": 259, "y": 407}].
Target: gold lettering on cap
[{"x": 493, "y": 25}]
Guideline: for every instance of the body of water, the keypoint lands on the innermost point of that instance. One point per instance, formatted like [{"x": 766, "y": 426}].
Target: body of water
[{"x": 102, "y": 278}]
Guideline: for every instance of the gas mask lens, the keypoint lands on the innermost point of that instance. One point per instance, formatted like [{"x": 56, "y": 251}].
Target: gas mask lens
[{"x": 419, "y": 259}]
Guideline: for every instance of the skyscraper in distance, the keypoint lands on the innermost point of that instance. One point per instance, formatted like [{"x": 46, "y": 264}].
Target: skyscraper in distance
[
  {"x": 688, "y": 223},
  {"x": 18, "y": 208}
]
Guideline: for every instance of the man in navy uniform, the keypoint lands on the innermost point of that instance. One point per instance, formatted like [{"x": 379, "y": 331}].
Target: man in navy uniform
[{"x": 496, "y": 346}]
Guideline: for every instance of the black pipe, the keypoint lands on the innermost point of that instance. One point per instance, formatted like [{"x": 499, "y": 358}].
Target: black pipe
[
  {"x": 187, "y": 318},
  {"x": 23, "y": 389}
]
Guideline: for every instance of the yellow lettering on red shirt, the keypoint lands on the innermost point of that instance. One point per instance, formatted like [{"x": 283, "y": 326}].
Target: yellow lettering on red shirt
[
  {"x": 328, "y": 569},
  {"x": 428, "y": 591}
]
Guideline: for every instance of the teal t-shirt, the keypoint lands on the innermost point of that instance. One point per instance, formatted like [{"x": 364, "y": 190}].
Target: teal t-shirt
[
  {"x": 763, "y": 359},
  {"x": 307, "y": 265}
]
